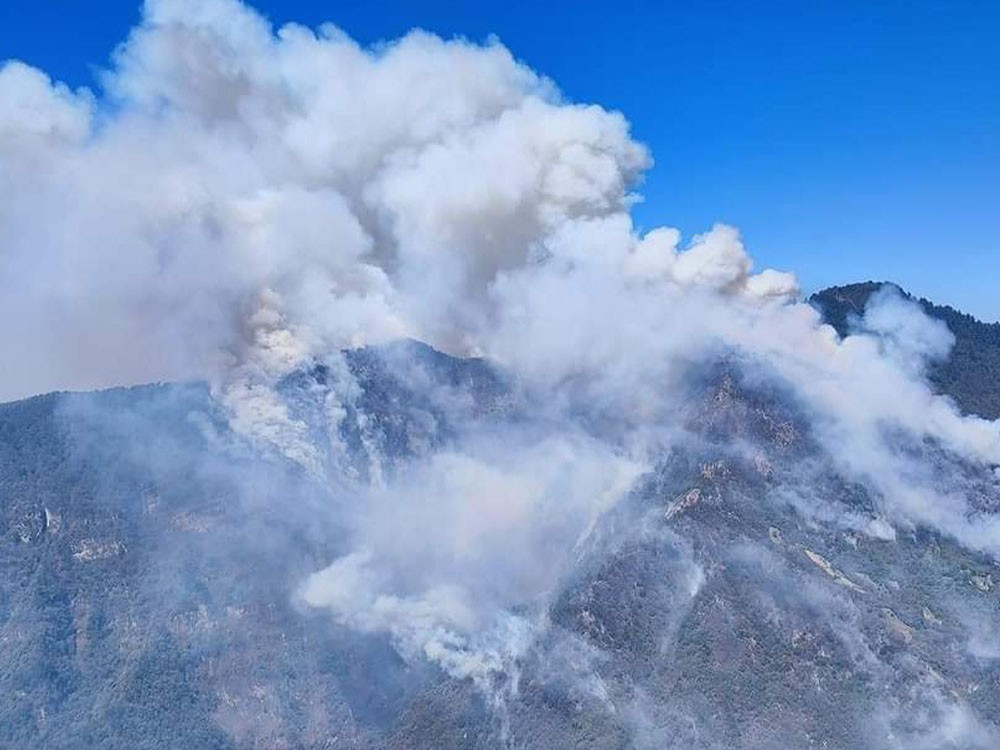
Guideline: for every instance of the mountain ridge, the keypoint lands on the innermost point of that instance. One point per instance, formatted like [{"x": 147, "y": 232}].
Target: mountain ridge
[
  {"x": 969, "y": 373},
  {"x": 743, "y": 594}
]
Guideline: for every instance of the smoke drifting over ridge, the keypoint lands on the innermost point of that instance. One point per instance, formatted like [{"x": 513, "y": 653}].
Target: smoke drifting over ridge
[
  {"x": 243, "y": 198},
  {"x": 243, "y": 203}
]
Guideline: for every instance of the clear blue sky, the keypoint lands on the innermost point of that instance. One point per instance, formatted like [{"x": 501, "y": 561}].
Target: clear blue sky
[{"x": 848, "y": 140}]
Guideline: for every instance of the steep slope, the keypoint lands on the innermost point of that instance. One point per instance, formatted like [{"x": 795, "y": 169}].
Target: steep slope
[
  {"x": 968, "y": 375},
  {"x": 744, "y": 594},
  {"x": 148, "y": 570}
]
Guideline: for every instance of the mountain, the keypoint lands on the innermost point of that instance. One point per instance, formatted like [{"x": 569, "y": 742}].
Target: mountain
[
  {"x": 745, "y": 592},
  {"x": 968, "y": 375}
]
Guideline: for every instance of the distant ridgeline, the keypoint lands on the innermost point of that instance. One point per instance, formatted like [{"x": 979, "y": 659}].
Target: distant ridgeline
[{"x": 970, "y": 375}]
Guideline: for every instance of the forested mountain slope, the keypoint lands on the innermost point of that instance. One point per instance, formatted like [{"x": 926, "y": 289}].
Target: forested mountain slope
[{"x": 970, "y": 375}]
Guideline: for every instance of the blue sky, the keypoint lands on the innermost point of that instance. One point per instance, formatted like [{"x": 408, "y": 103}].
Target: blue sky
[{"x": 848, "y": 140}]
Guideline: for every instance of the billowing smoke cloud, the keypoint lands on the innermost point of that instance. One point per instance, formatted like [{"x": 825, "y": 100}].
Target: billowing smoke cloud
[
  {"x": 240, "y": 203},
  {"x": 448, "y": 549},
  {"x": 241, "y": 199}
]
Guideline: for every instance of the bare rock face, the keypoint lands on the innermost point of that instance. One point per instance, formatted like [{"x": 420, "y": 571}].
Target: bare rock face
[{"x": 87, "y": 550}]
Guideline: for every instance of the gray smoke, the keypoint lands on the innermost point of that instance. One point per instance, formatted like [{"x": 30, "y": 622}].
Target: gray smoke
[{"x": 240, "y": 203}]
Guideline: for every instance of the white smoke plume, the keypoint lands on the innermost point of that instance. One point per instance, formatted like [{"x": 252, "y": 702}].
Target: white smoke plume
[
  {"x": 448, "y": 549},
  {"x": 239, "y": 202},
  {"x": 244, "y": 198}
]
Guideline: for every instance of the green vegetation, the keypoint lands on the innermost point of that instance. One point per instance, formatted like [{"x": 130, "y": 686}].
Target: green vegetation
[{"x": 971, "y": 375}]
